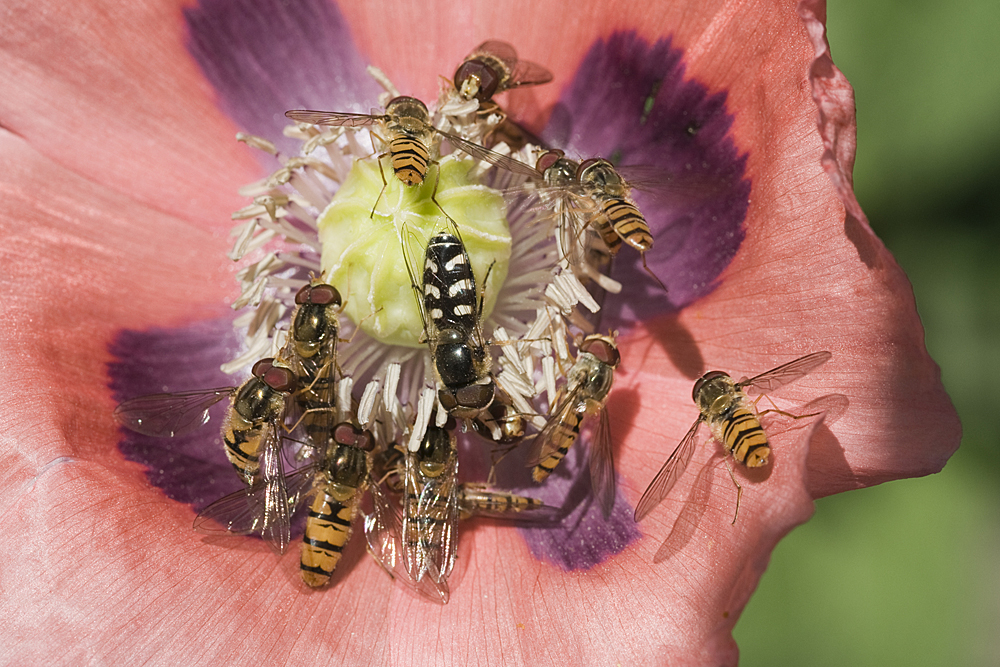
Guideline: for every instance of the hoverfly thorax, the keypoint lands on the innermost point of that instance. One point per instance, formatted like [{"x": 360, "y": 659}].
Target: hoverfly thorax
[
  {"x": 315, "y": 324},
  {"x": 713, "y": 392},
  {"x": 409, "y": 115},
  {"x": 557, "y": 170},
  {"x": 598, "y": 176},
  {"x": 349, "y": 466},
  {"x": 435, "y": 450}
]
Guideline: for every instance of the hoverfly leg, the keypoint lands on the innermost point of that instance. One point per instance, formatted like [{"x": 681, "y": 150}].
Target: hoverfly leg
[
  {"x": 650, "y": 272},
  {"x": 739, "y": 489}
]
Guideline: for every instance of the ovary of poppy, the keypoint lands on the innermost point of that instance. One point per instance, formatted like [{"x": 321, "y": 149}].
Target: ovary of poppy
[{"x": 100, "y": 566}]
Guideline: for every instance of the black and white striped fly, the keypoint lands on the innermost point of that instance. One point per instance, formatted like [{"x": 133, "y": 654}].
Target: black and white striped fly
[{"x": 451, "y": 304}]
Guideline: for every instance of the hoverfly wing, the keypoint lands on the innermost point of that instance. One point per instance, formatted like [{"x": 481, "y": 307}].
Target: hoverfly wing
[
  {"x": 502, "y": 51},
  {"x": 602, "y": 465},
  {"x": 276, "y": 528},
  {"x": 382, "y": 532},
  {"x": 831, "y": 406},
  {"x": 240, "y": 512},
  {"x": 671, "y": 471},
  {"x": 335, "y": 118},
  {"x": 169, "y": 415},
  {"x": 441, "y": 498},
  {"x": 486, "y": 155},
  {"x": 665, "y": 188},
  {"x": 786, "y": 373},
  {"x": 527, "y": 73}
]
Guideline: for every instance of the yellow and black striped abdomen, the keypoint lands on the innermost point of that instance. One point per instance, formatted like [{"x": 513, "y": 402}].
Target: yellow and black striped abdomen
[
  {"x": 564, "y": 434},
  {"x": 744, "y": 437},
  {"x": 602, "y": 225},
  {"x": 628, "y": 223},
  {"x": 328, "y": 528},
  {"x": 242, "y": 444},
  {"x": 409, "y": 159}
]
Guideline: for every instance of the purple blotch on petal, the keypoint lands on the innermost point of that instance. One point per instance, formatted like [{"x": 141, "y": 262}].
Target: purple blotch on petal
[
  {"x": 583, "y": 538},
  {"x": 192, "y": 468},
  {"x": 630, "y": 103},
  {"x": 264, "y": 57}
]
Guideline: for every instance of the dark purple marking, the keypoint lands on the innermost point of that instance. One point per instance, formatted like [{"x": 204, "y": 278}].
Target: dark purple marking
[
  {"x": 193, "y": 468},
  {"x": 264, "y": 57},
  {"x": 629, "y": 103},
  {"x": 583, "y": 538}
]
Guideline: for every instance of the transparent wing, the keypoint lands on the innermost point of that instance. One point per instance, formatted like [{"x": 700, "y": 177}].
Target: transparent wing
[
  {"x": 670, "y": 189},
  {"x": 169, "y": 415},
  {"x": 502, "y": 51},
  {"x": 276, "y": 529},
  {"x": 240, "y": 512},
  {"x": 486, "y": 155},
  {"x": 412, "y": 243},
  {"x": 438, "y": 506},
  {"x": 786, "y": 373},
  {"x": 336, "y": 118},
  {"x": 602, "y": 464},
  {"x": 382, "y": 532},
  {"x": 671, "y": 471},
  {"x": 527, "y": 73}
]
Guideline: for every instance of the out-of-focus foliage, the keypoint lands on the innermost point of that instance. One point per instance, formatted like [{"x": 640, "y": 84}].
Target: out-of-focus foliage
[{"x": 906, "y": 573}]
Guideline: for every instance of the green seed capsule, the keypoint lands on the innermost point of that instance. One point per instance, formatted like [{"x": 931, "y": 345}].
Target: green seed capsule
[{"x": 363, "y": 254}]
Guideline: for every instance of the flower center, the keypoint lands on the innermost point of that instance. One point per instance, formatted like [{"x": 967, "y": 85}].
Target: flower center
[{"x": 375, "y": 230}]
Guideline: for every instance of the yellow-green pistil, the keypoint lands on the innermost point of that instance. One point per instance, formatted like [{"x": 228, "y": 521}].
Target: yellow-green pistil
[{"x": 363, "y": 255}]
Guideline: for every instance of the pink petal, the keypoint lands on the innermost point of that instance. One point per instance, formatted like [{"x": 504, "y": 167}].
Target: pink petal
[{"x": 109, "y": 91}]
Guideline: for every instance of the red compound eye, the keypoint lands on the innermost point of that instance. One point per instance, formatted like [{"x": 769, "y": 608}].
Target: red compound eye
[
  {"x": 548, "y": 159},
  {"x": 603, "y": 349}
]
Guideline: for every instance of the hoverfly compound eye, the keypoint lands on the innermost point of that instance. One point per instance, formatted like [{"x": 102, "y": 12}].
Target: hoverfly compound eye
[
  {"x": 548, "y": 159},
  {"x": 603, "y": 349},
  {"x": 303, "y": 295},
  {"x": 262, "y": 367},
  {"x": 476, "y": 71},
  {"x": 346, "y": 433},
  {"x": 324, "y": 295},
  {"x": 279, "y": 378}
]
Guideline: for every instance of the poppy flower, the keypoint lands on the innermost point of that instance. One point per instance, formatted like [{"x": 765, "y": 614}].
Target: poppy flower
[{"x": 120, "y": 177}]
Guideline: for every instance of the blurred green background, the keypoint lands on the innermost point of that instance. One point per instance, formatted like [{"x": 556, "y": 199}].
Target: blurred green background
[{"x": 908, "y": 573}]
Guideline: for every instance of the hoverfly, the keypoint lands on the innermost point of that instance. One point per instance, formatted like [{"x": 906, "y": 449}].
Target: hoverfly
[
  {"x": 451, "y": 307},
  {"x": 335, "y": 481},
  {"x": 311, "y": 353},
  {"x": 251, "y": 432},
  {"x": 494, "y": 67},
  {"x": 433, "y": 503},
  {"x": 339, "y": 483},
  {"x": 430, "y": 506},
  {"x": 588, "y": 384},
  {"x": 409, "y": 135},
  {"x": 733, "y": 420},
  {"x": 597, "y": 194}
]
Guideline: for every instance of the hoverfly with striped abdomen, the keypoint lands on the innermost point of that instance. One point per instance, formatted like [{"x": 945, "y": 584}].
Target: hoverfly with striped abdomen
[
  {"x": 409, "y": 137},
  {"x": 588, "y": 384},
  {"x": 251, "y": 431},
  {"x": 733, "y": 420}
]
